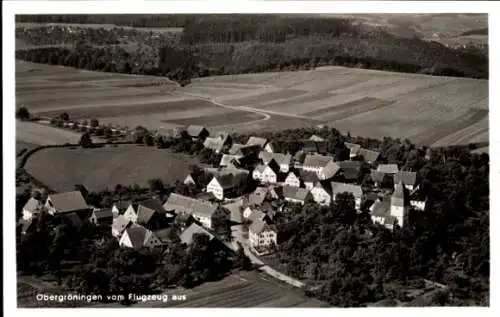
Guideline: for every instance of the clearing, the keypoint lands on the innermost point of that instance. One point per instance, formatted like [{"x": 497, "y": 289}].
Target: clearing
[{"x": 98, "y": 168}]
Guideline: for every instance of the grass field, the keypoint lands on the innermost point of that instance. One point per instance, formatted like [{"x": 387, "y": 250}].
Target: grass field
[
  {"x": 62, "y": 168},
  {"x": 425, "y": 109}
]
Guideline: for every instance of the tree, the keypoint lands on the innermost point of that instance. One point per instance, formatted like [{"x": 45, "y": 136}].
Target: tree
[
  {"x": 64, "y": 116},
  {"x": 23, "y": 113},
  {"x": 156, "y": 185},
  {"x": 94, "y": 123},
  {"x": 85, "y": 140}
]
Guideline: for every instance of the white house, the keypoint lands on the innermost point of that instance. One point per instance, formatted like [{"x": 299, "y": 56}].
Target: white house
[
  {"x": 284, "y": 160},
  {"x": 131, "y": 212},
  {"x": 225, "y": 185},
  {"x": 32, "y": 209},
  {"x": 138, "y": 237},
  {"x": 322, "y": 193},
  {"x": 267, "y": 173},
  {"x": 119, "y": 225},
  {"x": 204, "y": 214},
  {"x": 262, "y": 235},
  {"x": 292, "y": 179},
  {"x": 253, "y": 140},
  {"x": 399, "y": 204},
  {"x": 417, "y": 204}
]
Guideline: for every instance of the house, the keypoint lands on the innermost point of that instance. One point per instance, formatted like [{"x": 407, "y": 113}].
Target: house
[
  {"x": 293, "y": 179},
  {"x": 380, "y": 210},
  {"x": 189, "y": 180},
  {"x": 188, "y": 234},
  {"x": 119, "y": 225},
  {"x": 163, "y": 235},
  {"x": 322, "y": 193},
  {"x": 258, "y": 196},
  {"x": 229, "y": 161},
  {"x": 349, "y": 170},
  {"x": 151, "y": 214},
  {"x": 67, "y": 202},
  {"x": 197, "y": 132},
  {"x": 309, "y": 178},
  {"x": 353, "y": 149},
  {"x": 388, "y": 168},
  {"x": 198, "y": 209},
  {"x": 310, "y": 146},
  {"x": 316, "y": 138},
  {"x": 138, "y": 237},
  {"x": 380, "y": 178},
  {"x": 399, "y": 203},
  {"x": 284, "y": 160},
  {"x": 244, "y": 150},
  {"x": 102, "y": 216},
  {"x": 253, "y": 140},
  {"x": 228, "y": 184},
  {"x": 409, "y": 179},
  {"x": 119, "y": 208},
  {"x": 267, "y": 173},
  {"x": 368, "y": 156},
  {"x": 298, "y": 159},
  {"x": 324, "y": 166},
  {"x": 355, "y": 190},
  {"x": 252, "y": 213},
  {"x": 262, "y": 234},
  {"x": 235, "y": 209},
  {"x": 217, "y": 143},
  {"x": 296, "y": 195},
  {"x": 32, "y": 209}
]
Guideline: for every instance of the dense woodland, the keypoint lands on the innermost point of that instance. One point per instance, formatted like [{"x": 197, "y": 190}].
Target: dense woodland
[{"x": 220, "y": 45}]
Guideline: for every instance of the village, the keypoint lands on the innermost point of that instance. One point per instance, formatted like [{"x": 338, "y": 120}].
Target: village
[{"x": 282, "y": 179}]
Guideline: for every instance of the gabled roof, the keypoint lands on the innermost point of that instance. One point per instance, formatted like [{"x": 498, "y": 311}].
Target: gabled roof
[
  {"x": 400, "y": 196},
  {"x": 215, "y": 144},
  {"x": 380, "y": 208},
  {"x": 69, "y": 201},
  {"x": 325, "y": 185},
  {"x": 259, "y": 226},
  {"x": 377, "y": 177},
  {"x": 408, "y": 178},
  {"x": 103, "y": 213},
  {"x": 388, "y": 168},
  {"x": 187, "y": 235},
  {"x": 258, "y": 196},
  {"x": 280, "y": 158},
  {"x": 121, "y": 205},
  {"x": 295, "y": 192},
  {"x": 162, "y": 234},
  {"x": 338, "y": 188},
  {"x": 389, "y": 220},
  {"x": 74, "y": 219},
  {"x": 236, "y": 210},
  {"x": 253, "y": 140},
  {"x": 195, "y": 130},
  {"x": 152, "y": 204},
  {"x": 353, "y": 147},
  {"x": 260, "y": 168},
  {"x": 316, "y": 138},
  {"x": 227, "y": 160},
  {"x": 33, "y": 205},
  {"x": 244, "y": 149},
  {"x": 184, "y": 204},
  {"x": 368, "y": 155},
  {"x": 120, "y": 223},
  {"x": 256, "y": 214},
  {"x": 350, "y": 169},
  {"x": 316, "y": 160},
  {"x": 308, "y": 176},
  {"x": 137, "y": 235},
  {"x": 230, "y": 180}
]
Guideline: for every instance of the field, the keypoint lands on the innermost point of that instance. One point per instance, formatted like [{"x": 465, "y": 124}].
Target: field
[
  {"x": 425, "y": 109},
  {"x": 62, "y": 168}
]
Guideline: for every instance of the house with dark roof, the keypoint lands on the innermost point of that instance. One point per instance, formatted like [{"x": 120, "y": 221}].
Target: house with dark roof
[
  {"x": 353, "y": 149},
  {"x": 409, "y": 179},
  {"x": 235, "y": 209},
  {"x": 253, "y": 140},
  {"x": 388, "y": 168},
  {"x": 202, "y": 211},
  {"x": 119, "y": 225},
  {"x": 267, "y": 173},
  {"x": 149, "y": 213},
  {"x": 296, "y": 195},
  {"x": 310, "y": 146},
  {"x": 187, "y": 236},
  {"x": 381, "y": 179},
  {"x": 309, "y": 178},
  {"x": 73, "y": 219},
  {"x": 102, "y": 216},
  {"x": 138, "y": 237},
  {"x": 349, "y": 170},
  {"x": 284, "y": 160},
  {"x": 197, "y": 132},
  {"x": 228, "y": 184},
  {"x": 68, "y": 202},
  {"x": 32, "y": 208},
  {"x": 380, "y": 210},
  {"x": 322, "y": 193},
  {"x": 261, "y": 234},
  {"x": 217, "y": 143},
  {"x": 120, "y": 207},
  {"x": 229, "y": 161},
  {"x": 258, "y": 196},
  {"x": 322, "y": 165},
  {"x": 355, "y": 190},
  {"x": 253, "y": 213}
]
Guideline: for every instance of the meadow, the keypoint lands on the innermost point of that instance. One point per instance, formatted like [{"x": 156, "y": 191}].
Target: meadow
[
  {"x": 98, "y": 168},
  {"x": 428, "y": 110}
]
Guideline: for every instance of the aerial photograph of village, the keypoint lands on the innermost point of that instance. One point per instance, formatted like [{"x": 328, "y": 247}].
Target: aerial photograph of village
[{"x": 252, "y": 160}]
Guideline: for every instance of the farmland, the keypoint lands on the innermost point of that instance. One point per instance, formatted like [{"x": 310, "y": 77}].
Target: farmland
[
  {"x": 108, "y": 166},
  {"x": 428, "y": 110}
]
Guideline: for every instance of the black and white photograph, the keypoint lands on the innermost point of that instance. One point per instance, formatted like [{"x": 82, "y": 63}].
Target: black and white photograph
[{"x": 247, "y": 160}]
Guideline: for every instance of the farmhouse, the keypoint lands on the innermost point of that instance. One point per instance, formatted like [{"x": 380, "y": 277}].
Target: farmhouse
[
  {"x": 197, "y": 132},
  {"x": 261, "y": 194},
  {"x": 102, "y": 216},
  {"x": 388, "y": 168},
  {"x": 267, "y": 173},
  {"x": 217, "y": 143},
  {"x": 399, "y": 203},
  {"x": 309, "y": 178},
  {"x": 296, "y": 195},
  {"x": 200, "y": 210},
  {"x": 65, "y": 203},
  {"x": 253, "y": 140},
  {"x": 187, "y": 236},
  {"x": 119, "y": 225},
  {"x": 229, "y": 161},
  {"x": 353, "y": 149},
  {"x": 310, "y": 146},
  {"x": 262, "y": 235},
  {"x": 293, "y": 179},
  {"x": 235, "y": 209},
  {"x": 409, "y": 179},
  {"x": 322, "y": 193},
  {"x": 244, "y": 150},
  {"x": 138, "y": 237},
  {"x": 355, "y": 190},
  {"x": 380, "y": 210},
  {"x": 323, "y": 166},
  {"x": 227, "y": 185},
  {"x": 381, "y": 179},
  {"x": 349, "y": 170},
  {"x": 283, "y": 160},
  {"x": 368, "y": 156},
  {"x": 32, "y": 208}
]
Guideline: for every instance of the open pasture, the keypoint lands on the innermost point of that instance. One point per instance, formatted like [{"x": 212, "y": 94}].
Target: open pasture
[
  {"x": 98, "y": 168},
  {"x": 40, "y": 134}
]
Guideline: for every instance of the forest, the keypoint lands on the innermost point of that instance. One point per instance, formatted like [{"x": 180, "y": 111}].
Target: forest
[{"x": 223, "y": 44}]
